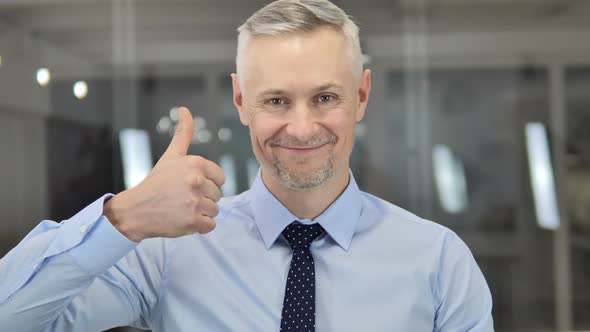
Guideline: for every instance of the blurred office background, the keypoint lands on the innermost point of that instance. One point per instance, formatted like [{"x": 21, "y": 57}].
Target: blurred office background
[{"x": 479, "y": 119}]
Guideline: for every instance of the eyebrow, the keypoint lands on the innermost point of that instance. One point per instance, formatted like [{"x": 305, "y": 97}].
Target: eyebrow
[
  {"x": 328, "y": 86},
  {"x": 272, "y": 92},
  {"x": 316, "y": 89}
]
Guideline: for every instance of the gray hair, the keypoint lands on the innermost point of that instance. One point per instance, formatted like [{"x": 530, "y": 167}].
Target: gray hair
[{"x": 290, "y": 16}]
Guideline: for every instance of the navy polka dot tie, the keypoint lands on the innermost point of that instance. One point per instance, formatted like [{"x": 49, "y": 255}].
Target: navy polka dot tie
[{"x": 299, "y": 302}]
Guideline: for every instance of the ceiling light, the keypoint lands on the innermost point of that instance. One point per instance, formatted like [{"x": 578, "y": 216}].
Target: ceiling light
[
  {"x": 200, "y": 123},
  {"x": 541, "y": 176},
  {"x": 80, "y": 89},
  {"x": 449, "y": 176},
  {"x": 204, "y": 136},
  {"x": 43, "y": 76},
  {"x": 164, "y": 124},
  {"x": 174, "y": 112},
  {"x": 224, "y": 134}
]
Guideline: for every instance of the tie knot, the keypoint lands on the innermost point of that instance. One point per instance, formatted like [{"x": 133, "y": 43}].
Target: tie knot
[{"x": 300, "y": 235}]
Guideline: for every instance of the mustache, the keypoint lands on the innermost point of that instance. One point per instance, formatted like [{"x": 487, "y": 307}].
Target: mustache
[{"x": 295, "y": 143}]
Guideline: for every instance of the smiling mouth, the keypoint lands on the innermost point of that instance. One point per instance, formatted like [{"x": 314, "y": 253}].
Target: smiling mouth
[
  {"x": 302, "y": 148},
  {"x": 299, "y": 151}
]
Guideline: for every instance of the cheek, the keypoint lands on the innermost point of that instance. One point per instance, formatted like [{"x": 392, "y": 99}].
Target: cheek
[
  {"x": 263, "y": 127},
  {"x": 343, "y": 127}
]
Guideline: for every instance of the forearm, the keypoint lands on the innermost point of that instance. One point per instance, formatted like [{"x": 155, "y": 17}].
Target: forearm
[
  {"x": 43, "y": 299},
  {"x": 54, "y": 264}
]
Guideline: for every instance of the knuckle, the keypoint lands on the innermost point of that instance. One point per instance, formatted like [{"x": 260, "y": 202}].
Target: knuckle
[
  {"x": 193, "y": 226},
  {"x": 197, "y": 204},
  {"x": 207, "y": 226},
  {"x": 195, "y": 161},
  {"x": 215, "y": 210},
  {"x": 196, "y": 181},
  {"x": 217, "y": 195}
]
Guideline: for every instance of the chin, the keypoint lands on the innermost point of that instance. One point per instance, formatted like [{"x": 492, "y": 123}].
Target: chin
[{"x": 303, "y": 178}]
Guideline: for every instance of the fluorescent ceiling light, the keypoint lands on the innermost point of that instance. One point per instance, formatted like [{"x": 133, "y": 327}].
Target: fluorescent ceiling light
[
  {"x": 449, "y": 175},
  {"x": 541, "y": 175},
  {"x": 136, "y": 156},
  {"x": 228, "y": 165}
]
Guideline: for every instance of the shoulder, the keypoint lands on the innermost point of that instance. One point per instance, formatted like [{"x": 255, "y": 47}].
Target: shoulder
[
  {"x": 393, "y": 216},
  {"x": 404, "y": 231},
  {"x": 417, "y": 233}
]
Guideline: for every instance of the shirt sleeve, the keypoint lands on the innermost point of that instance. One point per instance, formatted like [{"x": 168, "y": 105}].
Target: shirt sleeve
[
  {"x": 464, "y": 299},
  {"x": 80, "y": 275}
]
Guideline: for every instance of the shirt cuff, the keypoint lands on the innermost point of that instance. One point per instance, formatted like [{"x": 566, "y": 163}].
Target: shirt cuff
[{"x": 102, "y": 247}]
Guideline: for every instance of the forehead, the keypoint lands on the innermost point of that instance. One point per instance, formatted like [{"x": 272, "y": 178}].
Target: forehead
[{"x": 302, "y": 58}]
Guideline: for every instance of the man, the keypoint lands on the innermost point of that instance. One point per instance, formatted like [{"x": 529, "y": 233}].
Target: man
[{"x": 302, "y": 250}]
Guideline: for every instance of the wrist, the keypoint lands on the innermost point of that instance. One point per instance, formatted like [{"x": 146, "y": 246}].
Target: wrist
[{"x": 117, "y": 213}]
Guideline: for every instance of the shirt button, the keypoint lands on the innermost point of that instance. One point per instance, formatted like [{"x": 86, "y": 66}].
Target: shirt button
[
  {"x": 83, "y": 228},
  {"x": 34, "y": 267}
]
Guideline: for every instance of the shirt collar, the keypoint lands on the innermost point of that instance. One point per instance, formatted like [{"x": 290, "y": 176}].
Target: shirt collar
[{"x": 339, "y": 219}]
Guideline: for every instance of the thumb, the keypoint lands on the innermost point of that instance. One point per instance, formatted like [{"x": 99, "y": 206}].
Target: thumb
[{"x": 183, "y": 134}]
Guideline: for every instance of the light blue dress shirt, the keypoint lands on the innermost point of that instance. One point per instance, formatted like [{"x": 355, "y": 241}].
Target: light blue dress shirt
[{"x": 378, "y": 268}]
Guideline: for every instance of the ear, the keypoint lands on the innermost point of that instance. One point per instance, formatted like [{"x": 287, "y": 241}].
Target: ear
[
  {"x": 238, "y": 99},
  {"x": 364, "y": 91}
]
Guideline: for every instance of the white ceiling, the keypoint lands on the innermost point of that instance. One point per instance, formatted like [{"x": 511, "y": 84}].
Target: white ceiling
[{"x": 174, "y": 31}]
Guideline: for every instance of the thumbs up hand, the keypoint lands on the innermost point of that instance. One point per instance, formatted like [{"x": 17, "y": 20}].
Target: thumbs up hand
[{"x": 178, "y": 197}]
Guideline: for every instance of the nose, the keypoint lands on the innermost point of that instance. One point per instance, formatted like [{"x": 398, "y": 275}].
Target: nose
[{"x": 302, "y": 123}]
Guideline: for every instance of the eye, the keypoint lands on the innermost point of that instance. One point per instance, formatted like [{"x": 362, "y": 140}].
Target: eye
[
  {"x": 277, "y": 101},
  {"x": 326, "y": 98}
]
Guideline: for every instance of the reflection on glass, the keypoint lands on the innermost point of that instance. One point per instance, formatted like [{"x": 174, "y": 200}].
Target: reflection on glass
[
  {"x": 136, "y": 156},
  {"x": 228, "y": 165},
  {"x": 449, "y": 175},
  {"x": 541, "y": 174}
]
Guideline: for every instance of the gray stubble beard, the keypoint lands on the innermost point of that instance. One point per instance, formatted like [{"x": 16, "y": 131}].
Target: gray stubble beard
[{"x": 300, "y": 180}]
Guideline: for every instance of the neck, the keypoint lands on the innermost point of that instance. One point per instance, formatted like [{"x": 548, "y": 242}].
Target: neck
[{"x": 309, "y": 203}]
